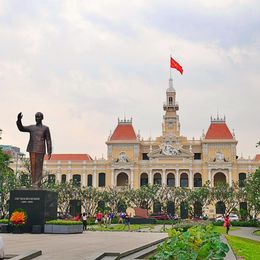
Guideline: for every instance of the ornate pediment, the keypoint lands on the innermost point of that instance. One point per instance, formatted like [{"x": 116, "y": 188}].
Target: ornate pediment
[
  {"x": 170, "y": 149},
  {"x": 122, "y": 158}
]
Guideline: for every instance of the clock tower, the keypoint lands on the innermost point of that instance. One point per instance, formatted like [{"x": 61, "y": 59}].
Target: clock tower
[{"x": 171, "y": 124}]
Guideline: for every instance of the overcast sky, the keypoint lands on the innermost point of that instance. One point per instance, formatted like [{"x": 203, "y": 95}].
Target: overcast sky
[{"x": 86, "y": 63}]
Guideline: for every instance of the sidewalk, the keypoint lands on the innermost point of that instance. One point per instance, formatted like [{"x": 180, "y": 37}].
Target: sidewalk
[
  {"x": 246, "y": 232},
  {"x": 88, "y": 245}
]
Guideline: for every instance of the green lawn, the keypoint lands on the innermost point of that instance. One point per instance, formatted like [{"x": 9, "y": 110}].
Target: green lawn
[
  {"x": 120, "y": 227},
  {"x": 244, "y": 247},
  {"x": 222, "y": 230},
  {"x": 257, "y": 232}
]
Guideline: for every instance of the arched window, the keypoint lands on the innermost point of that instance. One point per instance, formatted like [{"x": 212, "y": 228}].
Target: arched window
[
  {"x": 122, "y": 179},
  {"x": 157, "y": 207},
  {"x": 121, "y": 206},
  {"x": 243, "y": 210},
  {"x": 51, "y": 178},
  {"x": 242, "y": 178},
  {"x": 143, "y": 179},
  {"x": 63, "y": 178},
  {"x": 170, "y": 100},
  {"x": 170, "y": 208},
  {"x": 197, "y": 180},
  {"x": 101, "y": 205},
  {"x": 101, "y": 179},
  {"x": 197, "y": 209},
  {"x": 89, "y": 180},
  {"x": 157, "y": 179},
  {"x": 170, "y": 180},
  {"x": 184, "y": 180},
  {"x": 76, "y": 180},
  {"x": 219, "y": 177},
  {"x": 184, "y": 210},
  {"x": 220, "y": 207}
]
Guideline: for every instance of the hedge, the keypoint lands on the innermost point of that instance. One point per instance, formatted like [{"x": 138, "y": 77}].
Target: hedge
[
  {"x": 63, "y": 222},
  {"x": 250, "y": 223}
]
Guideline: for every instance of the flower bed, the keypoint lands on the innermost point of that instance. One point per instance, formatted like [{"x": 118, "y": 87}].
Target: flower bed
[
  {"x": 63, "y": 227},
  {"x": 18, "y": 220}
]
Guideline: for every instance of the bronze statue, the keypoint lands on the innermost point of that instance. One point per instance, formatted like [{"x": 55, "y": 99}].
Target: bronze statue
[{"x": 39, "y": 134}]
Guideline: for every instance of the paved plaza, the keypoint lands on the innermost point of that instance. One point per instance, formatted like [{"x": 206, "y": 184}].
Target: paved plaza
[{"x": 88, "y": 245}]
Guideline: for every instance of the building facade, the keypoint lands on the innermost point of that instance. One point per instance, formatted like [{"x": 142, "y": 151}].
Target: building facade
[{"x": 170, "y": 159}]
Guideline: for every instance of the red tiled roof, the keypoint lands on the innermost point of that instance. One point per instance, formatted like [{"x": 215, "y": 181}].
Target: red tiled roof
[
  {"x": 69, "y": 157},
  {"x": 218, "y": 131},
  {"x": 124, "y": 132},
  {"x": 257, "y": 157}
]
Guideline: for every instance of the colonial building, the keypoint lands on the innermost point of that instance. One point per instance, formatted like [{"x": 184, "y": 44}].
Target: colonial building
[{"x": 170, "y": 159}]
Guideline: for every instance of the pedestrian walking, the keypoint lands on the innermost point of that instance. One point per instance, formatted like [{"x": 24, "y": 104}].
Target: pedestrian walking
[
  {"x": 227, "y": 223},
  {"x": 127, "y": 221},
  {"x": 99, "y": 217},
  {"x": 84, "y": 221},
  {"x": 110, "y": 217}
]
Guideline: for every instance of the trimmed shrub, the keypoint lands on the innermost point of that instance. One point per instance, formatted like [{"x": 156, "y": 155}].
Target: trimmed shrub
[
  {"x": 249, "y": 223},
  {"x": 4, "y": 221},
  {"x": 63, "y": 222}
]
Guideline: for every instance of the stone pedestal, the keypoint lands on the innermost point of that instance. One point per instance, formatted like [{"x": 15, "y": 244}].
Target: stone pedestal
[{"x": 40, "y": 206}]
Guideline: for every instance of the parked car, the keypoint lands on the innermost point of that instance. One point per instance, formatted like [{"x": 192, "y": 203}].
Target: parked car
[
  {"x": 159, "y": 216},
  {"x": 232, "y": 217}
]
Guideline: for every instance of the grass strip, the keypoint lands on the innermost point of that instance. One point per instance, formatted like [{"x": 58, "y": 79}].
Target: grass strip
[{"x": 247, "y": 248}]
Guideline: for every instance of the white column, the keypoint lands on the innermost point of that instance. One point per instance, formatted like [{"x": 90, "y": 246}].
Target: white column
[
  {"x": 177, "y": 178},
  {"x": 84, "y": 173},
  {"x": 112, "y": 177},
  {"x": 94, "y": 178},
  {"x": 69, "y": 177},
  {"x": 191, "y": 179},
  {"x": 132, "y": 178},
  {"x": 150, "y": 177},
  {"x": 209, "y": 178},
  {"x": 230, "y": 177},
  {"x": 163, "y": 177}
]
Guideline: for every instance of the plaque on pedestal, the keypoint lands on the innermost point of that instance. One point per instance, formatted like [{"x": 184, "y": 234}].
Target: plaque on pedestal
[{"x": 40, "y": 206}]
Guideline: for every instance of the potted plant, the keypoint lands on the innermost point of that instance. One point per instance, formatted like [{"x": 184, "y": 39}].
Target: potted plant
[{"x": 18, "y": 220}]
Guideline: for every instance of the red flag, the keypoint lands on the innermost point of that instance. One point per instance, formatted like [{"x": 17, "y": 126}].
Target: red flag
[{"x": 175, "y": 65}]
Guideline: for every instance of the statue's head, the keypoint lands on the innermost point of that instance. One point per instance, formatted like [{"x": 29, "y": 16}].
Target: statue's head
[{"x": 38, "y": 117}]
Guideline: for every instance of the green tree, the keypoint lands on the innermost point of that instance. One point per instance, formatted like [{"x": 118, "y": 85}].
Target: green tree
[
  {"x": 143, "y": 197},
  {"x": 90, "y": 197},
  {"x": 178, "y": 195},
  {"x": 230, "y": 196},
  {"x": 115, "y": 196},
  {"x": 200, "y": 195},
  {"x": 66, "y": 192},
  {"x": 252, "y": 188},
  {"x": 8, "y": 180}
]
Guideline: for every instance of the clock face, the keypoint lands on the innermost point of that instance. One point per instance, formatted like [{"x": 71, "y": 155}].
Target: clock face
[{"x": 122, "y": 157}]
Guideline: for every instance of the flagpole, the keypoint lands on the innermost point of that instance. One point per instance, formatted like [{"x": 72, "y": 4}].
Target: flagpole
[{"x": 170, "y": 67}]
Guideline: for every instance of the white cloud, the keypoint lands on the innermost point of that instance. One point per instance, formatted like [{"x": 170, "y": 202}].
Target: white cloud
[{"x": 83, "y": 64}]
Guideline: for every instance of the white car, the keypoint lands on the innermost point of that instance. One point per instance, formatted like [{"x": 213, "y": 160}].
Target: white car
[{"x": 232, "y": 217}]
